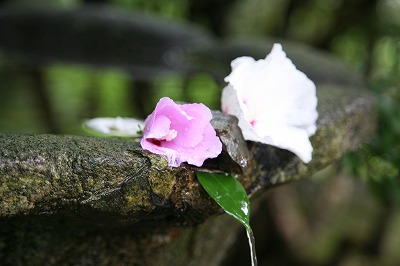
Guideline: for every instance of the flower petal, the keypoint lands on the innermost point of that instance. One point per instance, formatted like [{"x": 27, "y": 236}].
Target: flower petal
[
  {"x": 118, "y": 126},
  {"x": 158, "y": 128},
  {"x": 274, "y": 102},
  {"x": 182, "y": 133}
]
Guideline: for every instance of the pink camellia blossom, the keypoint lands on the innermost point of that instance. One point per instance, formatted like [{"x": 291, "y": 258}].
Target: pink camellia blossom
[
  {"x": 181, "y": 132},
  {"x": 274, "y": 102}
]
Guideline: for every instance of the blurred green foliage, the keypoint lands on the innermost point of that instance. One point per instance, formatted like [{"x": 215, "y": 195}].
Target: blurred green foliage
[{"x": 379, "y": 162}]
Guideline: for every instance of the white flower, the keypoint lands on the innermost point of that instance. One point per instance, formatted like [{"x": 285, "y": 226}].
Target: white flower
[
  {"x": 118, "y": 126},
  {"x": 274, "y": 102}
]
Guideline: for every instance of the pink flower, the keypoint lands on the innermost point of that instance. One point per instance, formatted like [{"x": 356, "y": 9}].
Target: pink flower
[
  {"x": 275, "y": 103},
  {"x": 181, "y": 132}
]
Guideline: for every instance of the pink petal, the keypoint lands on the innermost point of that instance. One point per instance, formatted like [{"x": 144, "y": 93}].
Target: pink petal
[
  {"x": 182, "y": 133},
  {"x": 158, "y": 128}
]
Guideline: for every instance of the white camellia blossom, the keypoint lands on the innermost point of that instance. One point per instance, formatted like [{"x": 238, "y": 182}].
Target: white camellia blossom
[
  {"x": 116, "y": 126},
  {"x": 274, "y": 102}
]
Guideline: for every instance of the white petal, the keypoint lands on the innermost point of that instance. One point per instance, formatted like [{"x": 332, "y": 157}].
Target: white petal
[
  {"x": 118, "y": 126},
  {"x": 292, "y": 139},
  {"x": 232, "y": 104},
  {"x": 279, "y": 100}
]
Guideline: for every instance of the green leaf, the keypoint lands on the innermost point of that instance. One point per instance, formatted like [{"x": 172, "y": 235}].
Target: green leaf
[{"x": 229, "y": 194}]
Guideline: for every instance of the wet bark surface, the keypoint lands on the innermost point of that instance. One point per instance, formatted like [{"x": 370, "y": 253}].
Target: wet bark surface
[{"x": 91, "y": 197}]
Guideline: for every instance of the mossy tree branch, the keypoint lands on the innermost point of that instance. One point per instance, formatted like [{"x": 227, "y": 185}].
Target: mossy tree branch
[{"x": 113, "y": 181}]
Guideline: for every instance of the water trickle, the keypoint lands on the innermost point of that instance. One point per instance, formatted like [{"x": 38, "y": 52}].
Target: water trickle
[{"x": 252, "y": 245}]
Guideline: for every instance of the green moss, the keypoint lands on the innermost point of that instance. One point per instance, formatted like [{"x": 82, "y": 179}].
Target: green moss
[
  {"x": 20, "y": 194},
  {"x": 162, "y": 178},
  {"x": 136, "y": 199}
]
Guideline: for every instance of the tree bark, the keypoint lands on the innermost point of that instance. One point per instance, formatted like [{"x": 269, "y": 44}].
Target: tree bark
[{"x": 124, "y": 185}]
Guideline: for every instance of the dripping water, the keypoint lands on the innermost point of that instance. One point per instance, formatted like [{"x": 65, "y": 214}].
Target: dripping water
[{"x": 252, "y": 245}]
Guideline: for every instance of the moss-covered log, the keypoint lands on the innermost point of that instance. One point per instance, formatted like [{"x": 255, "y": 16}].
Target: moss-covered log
[
  {"x": 82, "y": 195},
  {"x": 110, "y": 180}
]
